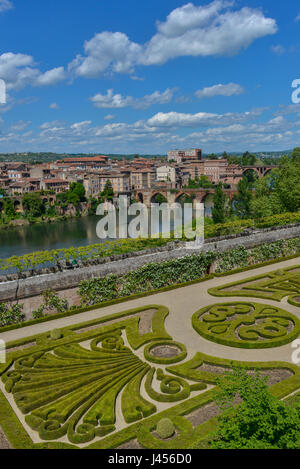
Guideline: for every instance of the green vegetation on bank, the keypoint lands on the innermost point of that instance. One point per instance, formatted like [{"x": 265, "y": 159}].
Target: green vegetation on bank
[
  {"x": 37, "y": 206},
  {"x": 163, "y": 276},
  {"x": 108, "y": 248}
]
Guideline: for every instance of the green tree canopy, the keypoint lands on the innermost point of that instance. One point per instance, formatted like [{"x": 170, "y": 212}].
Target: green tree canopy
[
  {"x": 218, "y": 211},
  {"x": 108, "y": 192},
  {"x": 260, "y": 421},
  {"x": 33, "y": 205},
  {"x": 242, "y": 200}
]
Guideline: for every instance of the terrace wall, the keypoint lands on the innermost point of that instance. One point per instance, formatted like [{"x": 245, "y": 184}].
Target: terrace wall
[{"x": 65, "y": 282}]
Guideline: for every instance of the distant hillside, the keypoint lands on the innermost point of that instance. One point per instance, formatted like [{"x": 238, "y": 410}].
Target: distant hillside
[{"x": 45, "y": 157}]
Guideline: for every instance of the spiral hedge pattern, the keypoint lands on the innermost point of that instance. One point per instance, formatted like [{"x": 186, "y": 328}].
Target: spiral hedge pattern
[
  {"x": 111, "y": 380},
  {"x": 246, "y": 325}
]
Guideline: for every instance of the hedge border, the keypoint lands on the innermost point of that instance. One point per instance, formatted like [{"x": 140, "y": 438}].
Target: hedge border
[
  {"x": 217, "y": 291},
  {"x": 162, "y": 360},
  {"x": 18, "y": 436},
  {"x": 43, "y": 343},
  {"x": 142, "y": 430},
  {"x": 270, "y": 343}
]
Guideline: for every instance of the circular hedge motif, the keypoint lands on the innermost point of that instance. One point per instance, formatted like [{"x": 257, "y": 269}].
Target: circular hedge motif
[
  {"x": 165, "y": 352},
  {"x": 246, "y": 325}
]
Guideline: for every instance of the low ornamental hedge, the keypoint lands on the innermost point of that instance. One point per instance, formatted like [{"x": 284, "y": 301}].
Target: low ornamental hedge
[{"x": 246, "y": 325}]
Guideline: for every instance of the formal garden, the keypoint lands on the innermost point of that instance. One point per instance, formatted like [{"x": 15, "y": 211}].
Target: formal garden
[{"x": 120, "y": 380}]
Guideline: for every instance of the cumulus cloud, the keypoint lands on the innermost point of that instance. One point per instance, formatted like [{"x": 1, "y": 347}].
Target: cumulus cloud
[
  {"x": 214, "y": 29},
  {"x": 19, "y": 70},
  {"x": 5, "y": 5},
  {"x": 206, "y": 30},
  {"x": 297, "y": 18},
  {"x": 51, "y": 77},
  {"x": 104, "y": 50},
  {"x": 116, "y": 101},
  {"x": 220, "y": 90},
  {"x": 176, "y": 119},
  {"x": 54, "y": 106},
  {"x": 213, "y": 132},
  {"x": 109, "y": 117}
]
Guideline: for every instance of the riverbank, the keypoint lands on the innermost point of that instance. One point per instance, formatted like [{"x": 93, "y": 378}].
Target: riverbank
[{"x": 143, "y": 272}]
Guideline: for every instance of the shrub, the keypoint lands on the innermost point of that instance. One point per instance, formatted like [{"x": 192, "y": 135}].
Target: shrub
[
  {"x": 55, "y": 334},
  {"x": 165, "y": 428},
  {"x": 11, "y": 314}
]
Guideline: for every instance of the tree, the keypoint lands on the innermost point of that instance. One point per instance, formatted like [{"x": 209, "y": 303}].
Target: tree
[
  {"x": 248, "y": 159},
  {"x": 286, "y": 183},
  {"x": 218, "y": 211},
  {"x": 295, "y": 156},
  {"x": 9, "y": 208},
  {"x": 160, "y": 199},
  {"x": 33, "y": 205},
  {"x": 260, "y": 421},
  {"x": 242, "y": 201},
  {"x": 266, "y": 202},
  {"x": 77, "y": 188},
  {"x": 202, "y": 182},
  {"x": 108, "y": 192}
]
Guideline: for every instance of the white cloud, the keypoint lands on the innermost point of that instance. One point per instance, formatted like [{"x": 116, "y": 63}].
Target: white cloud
[
  {"x": 136, "y": 78},
  {"x": 205, "y": 30},
  {"x": 109, "y": 117},
  {"x": 297, "y": 18},
  {"x": 104, "y": 50},
  {"x": 54, "y": 106},
  {"x": 278, "y": 50},
  {"x": 81, "y": 125},
  {"x": 214, "y": 132},
  {"x": 176, "y": 119},
  {"x": 20, "y": 126},
  {"x": 220, "y": 90},
  {"x": 19, "y": 70},
  {"x": 51, "y": 77},
  {"x": 111, "y": 100},
  {"x": 5, "y": 5},
  {"x": 117, "y": 101},
  {"x": 214, "y": 29}
]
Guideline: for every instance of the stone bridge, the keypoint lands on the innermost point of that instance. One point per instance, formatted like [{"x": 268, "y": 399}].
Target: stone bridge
[
  {"x": 17, "y": 201},
  {"x": 148, "y": 196},
  {"x": 261, "y": 171}
]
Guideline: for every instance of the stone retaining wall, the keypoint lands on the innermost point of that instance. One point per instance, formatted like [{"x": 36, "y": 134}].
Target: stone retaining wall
[{"x": 69, "y": 279}]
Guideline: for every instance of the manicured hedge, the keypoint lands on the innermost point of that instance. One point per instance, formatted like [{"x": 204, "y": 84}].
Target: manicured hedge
[
  {"x": 214, "y": 323},
  {"x": 162, "y": 360}
]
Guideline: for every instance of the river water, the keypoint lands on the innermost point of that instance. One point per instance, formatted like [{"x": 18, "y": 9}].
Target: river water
[
  {"x": 20, "y": 240},
  {"x": 17, "y": 241}
]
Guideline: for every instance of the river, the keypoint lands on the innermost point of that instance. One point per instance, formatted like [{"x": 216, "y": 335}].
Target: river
[
  {"x": 17, "y": 241},
  {"x": 20, "y": 240}
]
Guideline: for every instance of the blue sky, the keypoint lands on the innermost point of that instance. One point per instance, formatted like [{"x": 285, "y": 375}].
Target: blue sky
[{"x": 144, "y": 77}]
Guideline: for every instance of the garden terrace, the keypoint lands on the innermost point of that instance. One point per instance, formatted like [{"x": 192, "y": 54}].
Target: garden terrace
[{"x": 106, "y": 377}]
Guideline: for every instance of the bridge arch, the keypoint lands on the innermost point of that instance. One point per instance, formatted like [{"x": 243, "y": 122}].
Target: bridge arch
[
  {"x": 208, "y": 201},
  {"x": 267, "y": 171},
  {"x": 140, "y": 197},
  {"x": 251, "y": 174},
  {"x": 158, "y": 198},
  {"x": 184, "y": 198}
]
